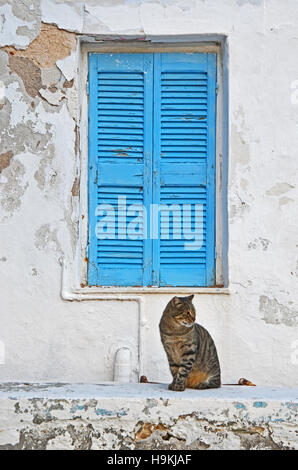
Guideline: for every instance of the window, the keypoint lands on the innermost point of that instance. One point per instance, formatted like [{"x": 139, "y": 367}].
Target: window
[{"x": 151, "y": 167}]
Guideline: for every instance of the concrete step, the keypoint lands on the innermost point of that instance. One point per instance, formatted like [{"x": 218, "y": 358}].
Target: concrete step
[{"x": 146, "y": 416}]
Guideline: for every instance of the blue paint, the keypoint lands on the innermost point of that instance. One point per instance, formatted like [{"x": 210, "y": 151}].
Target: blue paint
[
  {"x": 240, "y": 406},
  {"x": 103, "y": 412},
  {"x": 259, "y": 404},
  {"x": 152, "y": 134},
  {"x": 184, "y": 163},
  {"x": 291, "y": 405},
  {"x": 120, "y": 143}
]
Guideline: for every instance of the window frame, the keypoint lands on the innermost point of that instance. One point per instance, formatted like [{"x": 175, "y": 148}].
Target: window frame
[{"x": 79, "y": 274}]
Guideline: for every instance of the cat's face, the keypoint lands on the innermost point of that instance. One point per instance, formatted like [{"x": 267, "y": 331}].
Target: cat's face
[{"x": 183, "y": 311}]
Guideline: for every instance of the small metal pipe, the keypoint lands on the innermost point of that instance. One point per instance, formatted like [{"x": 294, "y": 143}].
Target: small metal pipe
[{"x": 71, "y": 295}]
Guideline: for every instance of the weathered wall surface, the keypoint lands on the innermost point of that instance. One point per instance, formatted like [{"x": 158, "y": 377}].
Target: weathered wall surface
[
  {"x": 256, "y": 326},
  {"x": 139, "y": 416}
]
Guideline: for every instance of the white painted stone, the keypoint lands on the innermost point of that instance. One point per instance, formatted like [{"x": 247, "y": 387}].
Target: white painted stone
[
  {"x": 68, "y": 15},
  {"x": 112, "y": 19},
  {"x": 68, "y": 66},
  {"x": 52, "y": 98},
  {"x": 73, "y": 416},
  {"x": 9, "y": 24}
]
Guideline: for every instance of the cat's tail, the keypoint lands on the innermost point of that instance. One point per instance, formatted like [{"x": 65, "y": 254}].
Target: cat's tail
[{"x": 241, "y": 381}]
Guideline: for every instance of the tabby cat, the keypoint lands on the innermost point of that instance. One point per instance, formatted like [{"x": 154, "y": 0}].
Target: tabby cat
[{"x": 189, "y": 347}]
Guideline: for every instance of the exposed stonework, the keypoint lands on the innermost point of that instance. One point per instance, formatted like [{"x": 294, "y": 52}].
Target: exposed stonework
[
  {"x": 51, "y": 44},
  {"x": 75, "y": 187},
  {"x": 5, "y": 159},
  {"x": 29, "y": 73}
]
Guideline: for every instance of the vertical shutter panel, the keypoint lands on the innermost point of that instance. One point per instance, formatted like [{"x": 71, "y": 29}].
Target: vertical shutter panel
[
  {"x": 121, "y": 121},
  {"x": 120, "y": 141},
  {"x": 184, "y": 165}
]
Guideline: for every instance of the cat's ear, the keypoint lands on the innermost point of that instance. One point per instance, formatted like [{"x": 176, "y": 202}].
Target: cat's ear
[
  {"x": 175, "y": 301},
  {"x": 191, "y": 297}
]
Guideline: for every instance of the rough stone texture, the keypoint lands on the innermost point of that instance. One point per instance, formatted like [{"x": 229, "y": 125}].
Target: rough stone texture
[
  {"x": 5, "y": 159},
  {"x": 29, "y": 73},
  {"x": 51, "y": 44},
  {"x": 255, "y": 327},
  {"x": 142, "y": 416}
]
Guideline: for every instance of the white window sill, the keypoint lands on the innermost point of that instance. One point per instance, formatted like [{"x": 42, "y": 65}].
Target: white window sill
[
  {"x": 91, "y": 293},
  {"x": 72, "y": 293}
]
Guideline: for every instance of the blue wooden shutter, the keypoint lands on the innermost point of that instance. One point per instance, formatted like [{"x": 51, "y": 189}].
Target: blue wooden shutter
[
  {"x": 184, "y": 164},
  {"x": 120, "y": 152}
]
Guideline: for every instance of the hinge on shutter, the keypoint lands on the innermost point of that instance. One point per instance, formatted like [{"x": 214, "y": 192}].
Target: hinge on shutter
[
  {"x": 216, "y": 89},
  {"x": 87, "y": 86}
]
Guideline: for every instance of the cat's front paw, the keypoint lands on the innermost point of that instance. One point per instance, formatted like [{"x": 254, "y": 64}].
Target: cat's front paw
[{"x": 176, "y": 387}]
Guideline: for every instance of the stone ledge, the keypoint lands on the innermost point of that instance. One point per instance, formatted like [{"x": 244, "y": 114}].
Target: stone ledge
[{"x": 146, "y": 416}]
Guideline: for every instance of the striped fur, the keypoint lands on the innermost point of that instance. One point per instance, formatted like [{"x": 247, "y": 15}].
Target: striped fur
[{"x": 189, "y": 347}]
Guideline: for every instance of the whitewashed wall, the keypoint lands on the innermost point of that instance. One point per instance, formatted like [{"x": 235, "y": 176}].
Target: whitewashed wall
[{"x": 255, "y": 326}]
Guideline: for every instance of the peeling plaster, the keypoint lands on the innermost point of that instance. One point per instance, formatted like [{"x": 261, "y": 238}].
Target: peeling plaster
[
  {"x": 12, "y": 186},
  {"x": 50, "y": 76},
  {"x": 53, "y": 97},
  {"x": 276, "y": 313},
  {"x": 45, "y": 176},
  {"x": 109, "y": 416},
  {"x": 66, "y": 15},
  {"x": 283, "y": 201},
  {"x": 20, "y": 139},
  {"x": 51, "y": 44},
  {"x": 5, "y": 159},
  {"x": 241, "y": 147},
  {"x": 19, "y": 24},
  {"x": 75, "y": 187},
  {"x": 279, "y": 188},
  {"x": 259, "y": 243},
  {"x": 29, "y": 73},
  {"x": 68, "y": 66},
  {"x": 46, "y": 238}
]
